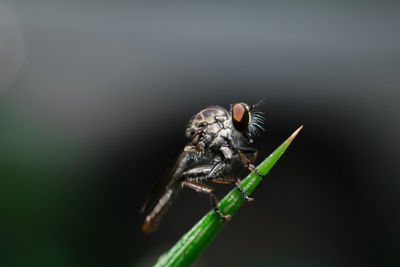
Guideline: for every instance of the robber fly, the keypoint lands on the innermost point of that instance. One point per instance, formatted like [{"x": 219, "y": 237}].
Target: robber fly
[{"x": 218, "y": 139}]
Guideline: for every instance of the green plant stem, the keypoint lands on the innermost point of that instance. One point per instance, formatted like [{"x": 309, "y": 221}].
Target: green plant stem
[{"x": 190, "y": 246}]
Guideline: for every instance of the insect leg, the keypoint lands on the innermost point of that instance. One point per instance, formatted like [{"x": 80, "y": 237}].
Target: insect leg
[
  {"x": 249, "y": 150},
  {"x": 197, "y": 172},
  {"x": 201, "y": 188},
  {"x": 236, "y": 181},
  {"x": 248, "y": 163},
  {"x": 216, "y": 169},
  {"x": 205, "y": 171}
]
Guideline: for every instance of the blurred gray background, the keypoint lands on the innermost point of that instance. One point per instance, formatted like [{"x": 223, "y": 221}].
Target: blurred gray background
[{"x": 94, "y": 101}]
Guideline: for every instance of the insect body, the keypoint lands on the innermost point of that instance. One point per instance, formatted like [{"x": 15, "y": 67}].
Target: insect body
[{"x": 219, "y": 139}]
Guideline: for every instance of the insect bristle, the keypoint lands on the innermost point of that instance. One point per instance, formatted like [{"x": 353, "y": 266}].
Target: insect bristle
[{"x": 256, "y": 124}]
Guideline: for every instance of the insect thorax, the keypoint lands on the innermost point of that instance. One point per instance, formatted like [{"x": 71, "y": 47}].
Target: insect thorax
[
  {"x": 210, "y": 128},
  {"x": 207, "y": 116}
]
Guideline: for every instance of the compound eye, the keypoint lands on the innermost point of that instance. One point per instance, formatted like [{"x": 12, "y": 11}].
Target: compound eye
[{"x": 240, "y": 117}]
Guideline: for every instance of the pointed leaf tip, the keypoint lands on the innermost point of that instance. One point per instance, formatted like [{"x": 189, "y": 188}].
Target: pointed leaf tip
[{"x": 290, "y": 139}]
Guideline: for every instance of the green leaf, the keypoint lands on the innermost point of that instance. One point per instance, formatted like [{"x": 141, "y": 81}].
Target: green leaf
[{"x": 190, "y": 246}]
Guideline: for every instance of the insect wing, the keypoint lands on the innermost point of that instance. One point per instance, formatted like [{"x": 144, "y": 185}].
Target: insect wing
[
  {"x": 170, "y": 181},
  {"x": 158, "y": 191}
]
